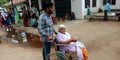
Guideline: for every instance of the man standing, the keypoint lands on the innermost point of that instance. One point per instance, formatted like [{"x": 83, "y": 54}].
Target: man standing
[
  {"x": 106, "y": 9},
  {"x": 25, "y": 18},
  {"x": 45, "y": 27},
  {"x": 17, "y": 19}
]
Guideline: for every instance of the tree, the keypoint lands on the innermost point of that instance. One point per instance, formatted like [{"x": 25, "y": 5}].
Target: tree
[{"x": 3, "y": 2}]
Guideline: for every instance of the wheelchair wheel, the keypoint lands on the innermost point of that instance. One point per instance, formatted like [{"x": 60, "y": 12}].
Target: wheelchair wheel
[{"x": 57, "y": 56}]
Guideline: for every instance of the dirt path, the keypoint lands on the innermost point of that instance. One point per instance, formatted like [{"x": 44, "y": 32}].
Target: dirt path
[{"x": 101, "y": 39}]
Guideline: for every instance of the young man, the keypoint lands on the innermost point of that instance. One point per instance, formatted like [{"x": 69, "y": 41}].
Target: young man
[
  {"x": 25, "y": 18},
  {"x": 45, "y": 27},
  {"x": 106, "y": 9}
]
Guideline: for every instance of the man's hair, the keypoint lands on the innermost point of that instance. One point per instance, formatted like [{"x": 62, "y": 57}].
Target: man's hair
[
  {"x": 107, "y": 1},
  {"x": 47, "y": 4}
]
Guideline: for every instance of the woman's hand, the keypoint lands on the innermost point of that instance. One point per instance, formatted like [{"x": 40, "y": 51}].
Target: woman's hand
[{"x": 73, "y": 39}]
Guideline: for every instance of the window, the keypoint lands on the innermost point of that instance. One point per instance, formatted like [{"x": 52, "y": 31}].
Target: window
[
  {"x": 87, "y": 3},
  {"x": 112, "y": 2},
  {"x": 94, "y": 3}
]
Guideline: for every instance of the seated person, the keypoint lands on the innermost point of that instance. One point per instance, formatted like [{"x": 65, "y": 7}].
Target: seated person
[{"x": 64, "y": 37}]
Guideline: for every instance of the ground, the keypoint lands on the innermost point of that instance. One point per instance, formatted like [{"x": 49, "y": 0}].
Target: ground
[{"x": 101, "y": 39}]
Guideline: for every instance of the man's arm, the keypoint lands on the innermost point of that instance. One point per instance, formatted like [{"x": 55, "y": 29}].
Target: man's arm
[
  {"x": 41, "y": 27},
  {"x": 55, "y": 32}
]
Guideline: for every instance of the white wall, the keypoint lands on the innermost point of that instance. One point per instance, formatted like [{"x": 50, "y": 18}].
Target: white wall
[
  {"x": 40, "y": 4},
  {"x": 117, "y": 6},
  {"x": 93, "y": 9},
  {"x": 77, "y": 6},
  {"x": 100, "y": 3}
]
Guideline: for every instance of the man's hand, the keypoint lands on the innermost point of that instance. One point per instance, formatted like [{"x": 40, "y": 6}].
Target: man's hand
[
  {"x": 48, "y": 37},
  {"x": 55, "y": 32}
]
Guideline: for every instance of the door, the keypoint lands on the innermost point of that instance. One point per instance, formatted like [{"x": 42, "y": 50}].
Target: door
[{"x": 62, "y": 7}]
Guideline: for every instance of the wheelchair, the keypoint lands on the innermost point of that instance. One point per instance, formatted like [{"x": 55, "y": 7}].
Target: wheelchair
[{"x": 61, "y": 55}]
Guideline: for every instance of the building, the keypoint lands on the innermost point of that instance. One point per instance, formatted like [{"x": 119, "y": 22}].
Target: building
[{"x": 79, "y": 7}]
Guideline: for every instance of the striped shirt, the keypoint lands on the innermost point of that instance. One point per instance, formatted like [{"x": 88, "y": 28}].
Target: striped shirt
[{"x": 45, "y": 26}]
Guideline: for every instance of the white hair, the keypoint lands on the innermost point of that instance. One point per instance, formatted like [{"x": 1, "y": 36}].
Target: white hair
[{"x": 62, "y": 26}]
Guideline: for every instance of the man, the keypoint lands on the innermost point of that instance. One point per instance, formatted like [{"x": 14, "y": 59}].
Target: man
[
  {"x": 17, "y": 19},
  {"x": 11, "y": 14},
  {"x": 106, "y": 9},
  {"x": 25, "y": 18},
  {"x": 45, "y": 27},
  {"x": 4, "y": 20}
]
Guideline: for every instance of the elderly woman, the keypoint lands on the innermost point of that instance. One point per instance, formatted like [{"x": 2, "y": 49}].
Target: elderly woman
[{"x": 73, "y": 45}]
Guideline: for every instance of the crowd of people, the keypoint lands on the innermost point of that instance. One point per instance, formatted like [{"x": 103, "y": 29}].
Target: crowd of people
[
  {"x": 12, "y": 17},
  {"x": 8, "y": 18},
  {"x": 45, "y": 27}
]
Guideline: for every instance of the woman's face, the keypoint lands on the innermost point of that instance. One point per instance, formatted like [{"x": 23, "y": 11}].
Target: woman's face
[{"x": 62, "y": 30}]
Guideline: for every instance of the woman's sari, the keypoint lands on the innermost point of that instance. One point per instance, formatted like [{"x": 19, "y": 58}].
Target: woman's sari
[{"x": 73, "y": 46}]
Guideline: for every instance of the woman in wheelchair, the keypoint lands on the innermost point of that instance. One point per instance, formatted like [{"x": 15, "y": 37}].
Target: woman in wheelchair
[{"x": 73, "y": 45}]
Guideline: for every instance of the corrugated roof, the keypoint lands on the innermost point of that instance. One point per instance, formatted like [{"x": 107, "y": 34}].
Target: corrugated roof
[{"x": 14, "y": 2}]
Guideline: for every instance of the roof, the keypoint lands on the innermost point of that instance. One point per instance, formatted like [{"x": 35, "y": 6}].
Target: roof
[{"x": 14, "y": 2}]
